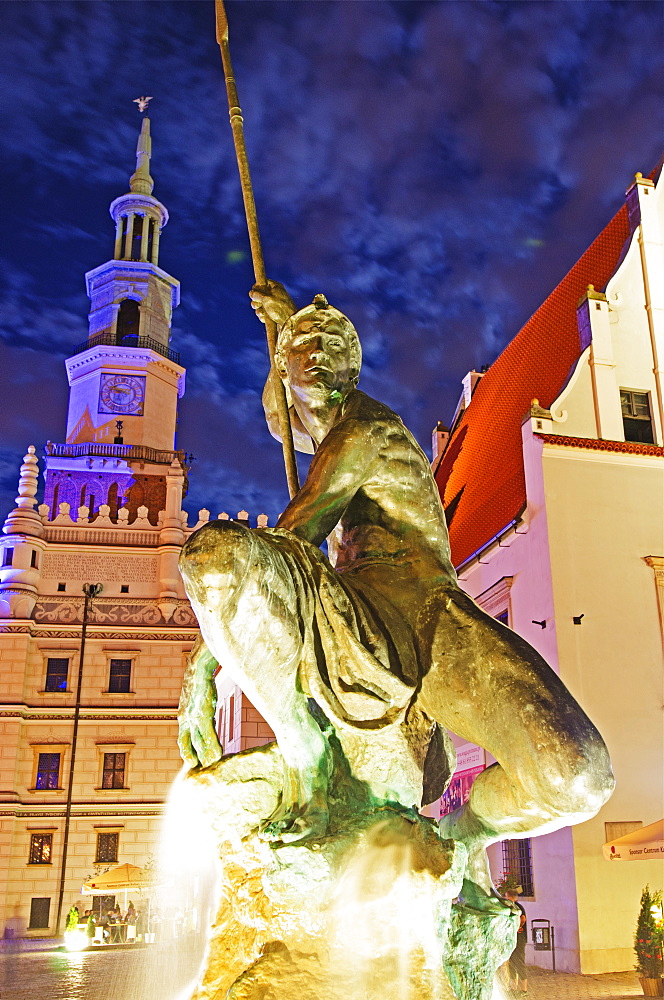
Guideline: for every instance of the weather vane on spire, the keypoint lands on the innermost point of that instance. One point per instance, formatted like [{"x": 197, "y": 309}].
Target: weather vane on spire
[{"x": 142, "y": 103}]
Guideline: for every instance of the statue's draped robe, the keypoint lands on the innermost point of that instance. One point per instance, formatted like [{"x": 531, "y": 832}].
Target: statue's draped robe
[{"x": 359, "y": 659}]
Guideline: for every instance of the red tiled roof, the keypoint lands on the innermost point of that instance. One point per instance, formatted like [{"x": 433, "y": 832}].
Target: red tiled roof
[
  {"x": 481, "y": 474},
  {"x": 599, "y": 444}
]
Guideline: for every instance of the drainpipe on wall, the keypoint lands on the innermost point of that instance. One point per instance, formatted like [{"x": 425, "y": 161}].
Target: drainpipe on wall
[{"x": 91, "y": 590}]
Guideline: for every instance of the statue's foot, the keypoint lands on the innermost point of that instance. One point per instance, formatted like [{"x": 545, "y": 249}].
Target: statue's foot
[
  {"x": 295, "y": 825},
  {"x": 477, "y": 898}
]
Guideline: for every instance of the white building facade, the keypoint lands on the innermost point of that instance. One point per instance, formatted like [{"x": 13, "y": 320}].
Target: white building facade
[{"x": 574, "y": 558}]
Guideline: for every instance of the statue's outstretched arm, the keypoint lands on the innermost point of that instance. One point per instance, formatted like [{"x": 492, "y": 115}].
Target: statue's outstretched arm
[
  {"x": 344, "y": 461},
  {"x": 197, "y": 737}
]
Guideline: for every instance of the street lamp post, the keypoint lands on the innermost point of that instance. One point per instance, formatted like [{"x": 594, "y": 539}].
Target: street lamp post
[{"x": 90, "y": 590}]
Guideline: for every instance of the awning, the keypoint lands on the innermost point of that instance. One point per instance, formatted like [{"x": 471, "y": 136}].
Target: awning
[
  {"x": 121, "y": 877},
  {"x": 644, "y": 844}
]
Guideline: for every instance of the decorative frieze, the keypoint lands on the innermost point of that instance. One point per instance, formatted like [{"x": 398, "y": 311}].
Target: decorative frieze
[
  {"x": 24, "y": 813},
  {"x": 55, "y": 633},
  {"x": 137, "y": 611}
]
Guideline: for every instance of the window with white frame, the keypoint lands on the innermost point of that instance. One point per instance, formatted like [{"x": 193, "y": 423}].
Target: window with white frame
[
  {"x": 637, "y": 419},
  {"x": 495, "y": 600}
]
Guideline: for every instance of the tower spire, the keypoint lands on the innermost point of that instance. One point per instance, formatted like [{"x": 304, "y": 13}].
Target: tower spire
[
  {"x": 141, "y": 182},
  {"x": 125, "y": 373},
  {"x": 139, "y": 218}
]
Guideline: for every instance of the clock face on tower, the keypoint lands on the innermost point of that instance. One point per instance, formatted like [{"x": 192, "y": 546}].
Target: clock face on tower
[{"x": 122, "y": 394}]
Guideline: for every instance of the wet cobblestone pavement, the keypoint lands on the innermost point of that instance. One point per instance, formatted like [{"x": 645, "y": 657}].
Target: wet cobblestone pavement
[
  {"x": 162, "y": 973},
  {"x": 151, "y": 973}
]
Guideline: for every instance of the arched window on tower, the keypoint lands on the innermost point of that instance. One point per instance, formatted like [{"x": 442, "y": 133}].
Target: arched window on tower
[{"x": 128, "y": 322}]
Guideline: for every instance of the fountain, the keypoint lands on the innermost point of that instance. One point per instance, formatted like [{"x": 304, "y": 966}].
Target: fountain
[{"x": 331, "y": 884}]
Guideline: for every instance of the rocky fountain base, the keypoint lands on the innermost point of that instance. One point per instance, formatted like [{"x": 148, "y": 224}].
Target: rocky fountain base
[{"x": 367, "y": 912}]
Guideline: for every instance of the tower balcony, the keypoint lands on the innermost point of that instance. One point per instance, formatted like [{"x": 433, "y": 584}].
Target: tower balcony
[
  {"x": 131, "y": 340},
  {"x": 128, "y": 452}
]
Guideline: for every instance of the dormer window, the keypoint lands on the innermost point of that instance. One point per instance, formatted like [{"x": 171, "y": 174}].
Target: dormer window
[{"x": 637, "y": 420}]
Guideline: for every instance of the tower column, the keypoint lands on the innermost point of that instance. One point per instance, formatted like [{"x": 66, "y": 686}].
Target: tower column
[
  {"x": 117, "y": 251},
  {"x": 155, "y": 243},
  {"x": 144, "y": 237},
  {"x": 115, "y": 307},
  {"x": 128, "y": 238}
]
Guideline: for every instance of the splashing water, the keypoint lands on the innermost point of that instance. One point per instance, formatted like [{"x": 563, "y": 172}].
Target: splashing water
[
  {"x": 181, "y": 904},
  {"x": 385, "y": 926},
  {"x": 387, "y": 923}
]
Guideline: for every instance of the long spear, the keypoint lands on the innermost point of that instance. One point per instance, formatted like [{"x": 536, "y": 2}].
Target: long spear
[{"x": 235, "y": 113}]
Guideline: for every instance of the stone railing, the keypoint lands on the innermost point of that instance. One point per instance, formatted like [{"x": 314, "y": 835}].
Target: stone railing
[{"x": 140, "y": 531}]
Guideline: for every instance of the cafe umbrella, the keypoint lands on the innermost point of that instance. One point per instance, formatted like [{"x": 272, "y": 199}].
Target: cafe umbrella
[
  {"x": 123, "y": 878},
  {"x": 644, "y": 844}
]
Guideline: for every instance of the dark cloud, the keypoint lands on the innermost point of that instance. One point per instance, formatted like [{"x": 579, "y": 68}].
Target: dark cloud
[{"x": 434, "y": 168}]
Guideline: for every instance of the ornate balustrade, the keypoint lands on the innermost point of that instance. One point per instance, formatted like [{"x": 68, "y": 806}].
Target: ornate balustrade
[
  {"x": 129, "y": 452},
  {"x": 93, "y": 527},
  {"x": 110, "y": 340}
]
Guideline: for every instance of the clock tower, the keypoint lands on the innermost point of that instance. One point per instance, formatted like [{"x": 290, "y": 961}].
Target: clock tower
[{"x": 124, "y": 380}]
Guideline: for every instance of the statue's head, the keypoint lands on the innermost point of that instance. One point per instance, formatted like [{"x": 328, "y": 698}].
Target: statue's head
[{"x": 324, "y": 318}]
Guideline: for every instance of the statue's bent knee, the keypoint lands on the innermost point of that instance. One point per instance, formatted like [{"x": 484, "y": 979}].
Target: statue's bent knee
[
  {"x": 218, "y": 551},
  {"x": 576, "y": 784},
  {"x": 597, "y": 780}
]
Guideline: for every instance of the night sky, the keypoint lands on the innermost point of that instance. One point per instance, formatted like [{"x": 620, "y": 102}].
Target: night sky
[{"x": 434, "y": 168}]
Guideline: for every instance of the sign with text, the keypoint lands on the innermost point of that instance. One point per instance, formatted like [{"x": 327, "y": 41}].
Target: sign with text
[{"x": 470, "y": 763}]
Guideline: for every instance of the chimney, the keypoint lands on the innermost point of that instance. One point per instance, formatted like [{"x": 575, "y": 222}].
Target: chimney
[{"x": 439, "y": 438}]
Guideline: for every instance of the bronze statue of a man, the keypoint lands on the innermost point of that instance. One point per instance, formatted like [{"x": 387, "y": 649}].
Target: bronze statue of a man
[{"x": 386, "y": 628}]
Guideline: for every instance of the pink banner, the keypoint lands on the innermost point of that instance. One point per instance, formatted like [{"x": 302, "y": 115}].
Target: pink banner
[{"x": 458, "y": 790}]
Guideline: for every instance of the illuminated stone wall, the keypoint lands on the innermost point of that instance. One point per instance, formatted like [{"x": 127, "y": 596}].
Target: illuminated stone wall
[{"x": 141, "y": 615}]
